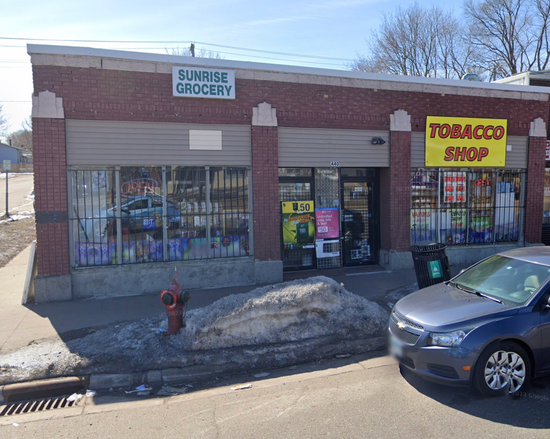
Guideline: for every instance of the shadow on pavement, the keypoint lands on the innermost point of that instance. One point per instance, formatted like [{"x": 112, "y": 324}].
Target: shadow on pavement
[{"x": 529, "y": 410}]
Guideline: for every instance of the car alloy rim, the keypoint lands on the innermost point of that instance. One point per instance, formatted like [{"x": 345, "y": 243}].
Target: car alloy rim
[{"x": 505, "y": 369}]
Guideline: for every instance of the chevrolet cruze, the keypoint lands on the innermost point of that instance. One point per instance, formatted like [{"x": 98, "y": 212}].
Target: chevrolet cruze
[{"x": 489, "y": 326}]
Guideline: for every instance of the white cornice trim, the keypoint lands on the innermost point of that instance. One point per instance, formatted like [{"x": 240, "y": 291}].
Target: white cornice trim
[
  {"x": 86, "y": 57},
  {"x": 537, "y": 128},
  {"x": 47, "y": 106}
]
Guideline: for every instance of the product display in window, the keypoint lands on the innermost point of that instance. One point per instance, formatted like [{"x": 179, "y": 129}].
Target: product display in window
[
  {"x": 466, "y": 206},
  {"x": 193, "y": 227}
]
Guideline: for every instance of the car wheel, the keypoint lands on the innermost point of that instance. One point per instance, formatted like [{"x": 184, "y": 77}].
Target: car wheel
[{"x": 502, "y": 368}]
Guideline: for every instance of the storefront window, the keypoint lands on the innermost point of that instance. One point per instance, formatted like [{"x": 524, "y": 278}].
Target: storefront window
[
  {"x": 93, "y": 195},
  {"x": 187, "y": 192},
  {"x": 424, "y": 202},
  {"x": 229, "y": 215},
  {"x": 141, "y": 214},
  {"x": 295, "y": 172},
  {"x": 546, "y": 218},
  {"x": 295, "y": 184},
  {"x": 203, "y": 214},
  {"x": 465, "y": 206}
]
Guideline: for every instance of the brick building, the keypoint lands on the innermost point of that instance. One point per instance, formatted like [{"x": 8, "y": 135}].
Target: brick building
[{"x": 233, "y": 171}]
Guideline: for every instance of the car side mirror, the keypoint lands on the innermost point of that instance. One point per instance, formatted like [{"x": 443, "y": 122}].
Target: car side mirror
[{"x": 547, "y": 304}]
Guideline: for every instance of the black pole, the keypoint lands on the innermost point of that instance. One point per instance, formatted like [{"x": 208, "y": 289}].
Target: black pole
[{"x": 7, "y": 211}]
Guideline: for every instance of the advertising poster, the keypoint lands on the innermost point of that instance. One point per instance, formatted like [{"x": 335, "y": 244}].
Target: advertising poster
[
  {"x": 90, "y": 254},
  {"x": 454, "y": 187},
  {"x": 179, "y": 249},
  {"x": 481, "y": 229},
  {"x": 327, "y": 223},
  {"x": 423, "y": 225},
  {"x": 453, "y": 226},
  {"x": 298, "y": 221}
]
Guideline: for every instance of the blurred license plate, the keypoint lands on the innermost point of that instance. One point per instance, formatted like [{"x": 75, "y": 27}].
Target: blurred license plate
[{"x": 396, "y": 347}]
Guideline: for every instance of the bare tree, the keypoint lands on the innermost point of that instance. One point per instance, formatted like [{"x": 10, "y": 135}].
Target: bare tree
[
  {"x": 22, "y": 138},
  {"x": 179, "y": 51},
  {"x": 420, "y": 42},
  {"x": 511, "y": 35},
  {"x": 3, "y": 121}
]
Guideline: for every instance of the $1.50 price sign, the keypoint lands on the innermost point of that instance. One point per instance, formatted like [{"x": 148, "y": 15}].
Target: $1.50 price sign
[{"x": 297, "y": 206}]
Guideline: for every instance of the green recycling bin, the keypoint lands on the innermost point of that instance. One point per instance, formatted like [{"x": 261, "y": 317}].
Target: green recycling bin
[{"x": 430, "y": 263}]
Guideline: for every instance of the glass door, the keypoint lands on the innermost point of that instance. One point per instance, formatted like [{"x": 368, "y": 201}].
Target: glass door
[{"x": 358, "y": 223}]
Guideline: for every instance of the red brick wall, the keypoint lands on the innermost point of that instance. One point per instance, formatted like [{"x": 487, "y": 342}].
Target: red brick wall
[
  {"x": 119, "y": 95},
  {"x": 50, "y": 190},
  {"x": 97, "y": 94},
  {"x": 397, "y": 204},
  {"x": 534, "y": 198},
  {"x": 265, "y": 193}
]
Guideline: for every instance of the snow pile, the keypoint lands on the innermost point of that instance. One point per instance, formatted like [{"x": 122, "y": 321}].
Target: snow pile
[
  {"x": 18, "y": 216},
  {"x": 267, "y": 317},
  {"x": 286, "y": 312}
]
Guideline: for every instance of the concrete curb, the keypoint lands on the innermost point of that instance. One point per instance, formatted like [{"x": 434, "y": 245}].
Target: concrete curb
[
  {"x": 42, "y": 388},
  {"x": 174, "y": 376}
]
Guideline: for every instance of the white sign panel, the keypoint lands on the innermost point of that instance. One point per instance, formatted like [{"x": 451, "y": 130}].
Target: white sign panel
[
  {"x": 196, "y": 82},
  {"x": 7, "y": 165}
]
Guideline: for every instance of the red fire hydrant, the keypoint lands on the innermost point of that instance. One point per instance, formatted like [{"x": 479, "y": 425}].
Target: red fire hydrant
[{"x": 174, "y": 299}]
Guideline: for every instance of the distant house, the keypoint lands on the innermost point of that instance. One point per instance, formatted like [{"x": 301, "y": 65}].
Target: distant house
[
  {"x": 533, "y": 78},
  {"x": 12, "y": 153}
]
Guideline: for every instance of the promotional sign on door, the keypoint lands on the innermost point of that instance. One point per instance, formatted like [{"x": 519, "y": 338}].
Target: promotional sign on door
[
  {"x": 465, "y": 142},
  {"x": 328, "y": 225},
  {"x": 298, "y": 218}
]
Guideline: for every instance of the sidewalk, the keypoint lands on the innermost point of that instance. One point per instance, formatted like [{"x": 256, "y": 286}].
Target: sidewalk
[
  {"x": 64, "y": 323},
  {"x": 21, "y": 325}
]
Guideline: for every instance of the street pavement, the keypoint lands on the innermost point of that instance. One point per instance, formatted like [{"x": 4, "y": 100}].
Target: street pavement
[
  {"x": 349, "y": 398},
  {"x": 19, "y": 188}
]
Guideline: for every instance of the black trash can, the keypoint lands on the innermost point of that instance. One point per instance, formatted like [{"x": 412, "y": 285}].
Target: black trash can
[{"x": 430, "y": 263}]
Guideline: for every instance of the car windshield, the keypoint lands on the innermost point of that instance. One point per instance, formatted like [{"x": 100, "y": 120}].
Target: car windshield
[{"x": 512, "y": 281}]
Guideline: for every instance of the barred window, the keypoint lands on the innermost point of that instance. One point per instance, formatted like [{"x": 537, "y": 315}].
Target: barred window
[
  {"x": 466, "y": 206},
  {"x": 229, "y": 219},
  {"x": 172, "y": 214},
  {"x": 93, "y": 202}
]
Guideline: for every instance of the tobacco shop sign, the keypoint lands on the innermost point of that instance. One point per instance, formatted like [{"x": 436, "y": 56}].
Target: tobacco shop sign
[{"x": 465, "y": 142}]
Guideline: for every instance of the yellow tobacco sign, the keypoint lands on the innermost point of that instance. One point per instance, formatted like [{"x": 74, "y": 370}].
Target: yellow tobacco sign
[{"x": 465, "y": 142}]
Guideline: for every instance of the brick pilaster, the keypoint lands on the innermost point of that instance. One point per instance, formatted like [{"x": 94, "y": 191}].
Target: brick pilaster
[
  {"x": 534, "y": 190},
  {"x": 265, "y": 184},
  {"x": 50, "y": 189},
  {"x": 395, "y": 187}
]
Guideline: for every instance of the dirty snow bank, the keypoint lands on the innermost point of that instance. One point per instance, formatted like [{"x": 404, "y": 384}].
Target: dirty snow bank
[
  {"x": 265, "y": 319},
  {"x": 290, "y": 311}
]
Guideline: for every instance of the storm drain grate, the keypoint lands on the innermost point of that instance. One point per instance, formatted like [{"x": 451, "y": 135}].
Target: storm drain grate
[{"x": 38, "y": 405}]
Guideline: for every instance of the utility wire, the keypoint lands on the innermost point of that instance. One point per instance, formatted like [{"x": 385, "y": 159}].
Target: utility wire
[{"x": 181, "y": 42}]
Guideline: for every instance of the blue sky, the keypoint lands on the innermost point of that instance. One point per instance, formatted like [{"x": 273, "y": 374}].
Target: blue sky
[{"x": 326, "y": 29}]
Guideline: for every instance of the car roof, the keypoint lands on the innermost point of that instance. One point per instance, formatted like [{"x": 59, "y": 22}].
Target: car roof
[{"x": 537, "y": 254}]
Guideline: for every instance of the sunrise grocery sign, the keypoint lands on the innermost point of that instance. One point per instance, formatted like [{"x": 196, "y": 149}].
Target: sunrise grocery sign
[
  {"x": 195, "y": 82},
  {"x": 465, "y": 142}
]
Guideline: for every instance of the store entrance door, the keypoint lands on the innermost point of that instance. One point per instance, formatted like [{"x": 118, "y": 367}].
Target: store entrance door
[{"x": 359, "y": 225}]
